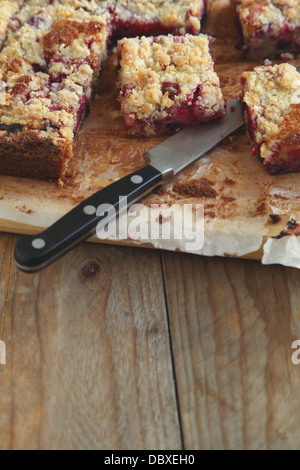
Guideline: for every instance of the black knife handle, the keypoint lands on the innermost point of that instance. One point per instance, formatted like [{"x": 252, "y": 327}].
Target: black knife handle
[{"x": 35, "y": 252}]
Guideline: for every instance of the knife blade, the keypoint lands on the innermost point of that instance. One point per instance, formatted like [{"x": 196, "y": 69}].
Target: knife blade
[{"x": 35, "y": 252}]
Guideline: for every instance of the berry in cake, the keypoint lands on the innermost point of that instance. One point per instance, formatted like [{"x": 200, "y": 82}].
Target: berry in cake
[
  {"x": 270, "y": 28},
  {"x": 167, "y": 82},
  {"x": 272, "y": 101},
  {"x": 151, "y": 18}
]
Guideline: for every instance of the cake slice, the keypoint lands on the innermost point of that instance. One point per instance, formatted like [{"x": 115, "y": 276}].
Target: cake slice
[
  {"x": 270, "y": 28},
  {"x": 167, "y": 82},
  {"x": 151, "y": 18},
  {"x": 272, "y": 100},
  {"x": 51, "y": 57}
]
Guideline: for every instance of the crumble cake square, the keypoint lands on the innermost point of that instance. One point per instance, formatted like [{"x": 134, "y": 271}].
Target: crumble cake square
[
  {"x": 167, "y": 82},
  {"x": 91, "y": 6},
  {"x": 49, "y": 61},
  {"x": 272, "y": 100},
  {"x": 270, "y": 28},
  {"x": 156, "y": 17}
]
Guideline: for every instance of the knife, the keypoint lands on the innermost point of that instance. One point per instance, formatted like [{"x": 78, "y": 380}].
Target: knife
[{"x": 35, "y": 252}]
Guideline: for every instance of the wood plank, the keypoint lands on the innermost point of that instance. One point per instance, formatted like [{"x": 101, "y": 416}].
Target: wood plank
[
  {"x": 88, "y": 354},
  {"x": 232, "y": 324}
]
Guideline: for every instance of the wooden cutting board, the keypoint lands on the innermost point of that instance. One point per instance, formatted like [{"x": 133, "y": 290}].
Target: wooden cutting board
[{"x": 241, "y": 193}]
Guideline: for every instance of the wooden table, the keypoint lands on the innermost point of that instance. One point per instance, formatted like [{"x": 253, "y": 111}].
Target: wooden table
[{"x": 127, "y": 348}]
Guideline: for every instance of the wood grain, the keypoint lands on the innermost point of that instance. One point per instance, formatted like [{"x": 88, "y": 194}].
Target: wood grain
[
  {"x": 232, "y": 325},
  {"x": 88, "y": 355}
]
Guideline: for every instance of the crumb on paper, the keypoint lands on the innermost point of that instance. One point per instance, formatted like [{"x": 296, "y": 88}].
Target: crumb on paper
[{"x": 261, "y": 208}]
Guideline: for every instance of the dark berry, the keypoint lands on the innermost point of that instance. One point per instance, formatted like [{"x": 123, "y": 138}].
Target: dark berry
[{"x": 173, "y": 89}]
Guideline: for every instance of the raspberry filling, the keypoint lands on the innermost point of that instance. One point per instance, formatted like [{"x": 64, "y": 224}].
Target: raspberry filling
[{"x": 180, "y": 115}]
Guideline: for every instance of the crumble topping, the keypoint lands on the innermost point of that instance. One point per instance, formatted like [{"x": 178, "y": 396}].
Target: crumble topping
[
  {"x": 158, "y": 73},
  {"x": 272, "y": 95},
  {"x": 270, "y": 27},
  {"x": 179, "y": 15}
]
